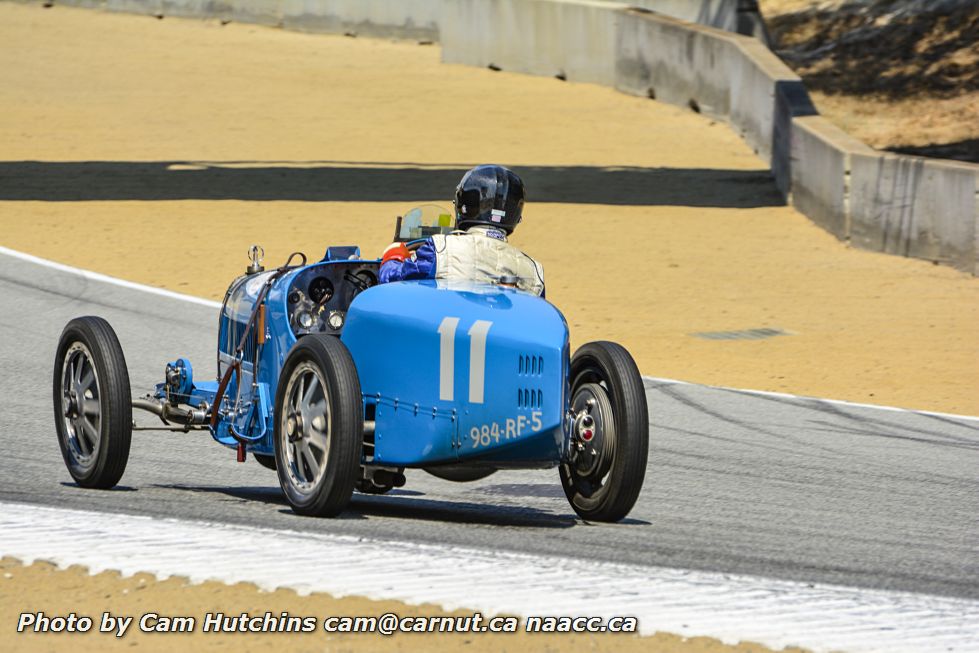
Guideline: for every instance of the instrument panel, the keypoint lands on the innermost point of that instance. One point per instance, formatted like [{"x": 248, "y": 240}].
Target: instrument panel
[{"x": 320, "y": 295}]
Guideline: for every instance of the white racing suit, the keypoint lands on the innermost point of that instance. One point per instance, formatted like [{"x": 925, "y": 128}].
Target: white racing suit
[{"x": 480, "y": 254}]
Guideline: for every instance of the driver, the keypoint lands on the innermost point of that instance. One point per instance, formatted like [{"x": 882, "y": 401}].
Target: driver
[{"x": 488, "y": 205}]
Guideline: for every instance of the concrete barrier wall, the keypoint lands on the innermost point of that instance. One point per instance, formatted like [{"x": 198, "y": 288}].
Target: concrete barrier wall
[
  {"x": 914, "y": 206},
  {"x": 821, "y": 161},
  {"x": 662, "y": 58},
  {"x": 765, "y": 96},
  {"x": 572, "y": 40},
  {"x": 149, "y": 7},
  {"x": 407, "y": 19},
  {"x": 722, "y": 14},
  {"x": 262, "y": 12},
  {"x": 723, "y": 75},
  {"x": 741, "y": 16}
]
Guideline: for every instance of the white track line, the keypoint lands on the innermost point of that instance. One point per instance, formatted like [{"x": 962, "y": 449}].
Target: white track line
[
  {"x": 104, "y": 278},
  {"x": 804, "y": 398},
  {"x": 732, "y": 608},
  {"x": 96, "y": 276}
]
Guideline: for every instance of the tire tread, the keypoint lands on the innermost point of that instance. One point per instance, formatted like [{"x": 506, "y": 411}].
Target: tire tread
[
  {"x": 110, "y": 362},
  {"x": 632, "y": 432},
  {"x": 335, "y": 362}
]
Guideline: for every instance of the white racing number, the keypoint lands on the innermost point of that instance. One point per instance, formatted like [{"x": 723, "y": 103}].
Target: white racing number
[{"x": 477, "y": 358}]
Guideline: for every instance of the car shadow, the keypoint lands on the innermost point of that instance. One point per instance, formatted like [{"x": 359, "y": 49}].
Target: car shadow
[
  {"x": 117, "y": 488},
  {"x": 457, "y": 512},
  {"x": 269, "y": 495},
  {"x": 345, "y": 181},
  {"x": 404, "y": 504}
]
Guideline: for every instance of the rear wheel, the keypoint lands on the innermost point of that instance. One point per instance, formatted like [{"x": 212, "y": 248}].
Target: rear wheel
[
  {"x": 611, "y": 440},
  {"x": 319, "y": 426},
  {"x": 92, "y": 405}
]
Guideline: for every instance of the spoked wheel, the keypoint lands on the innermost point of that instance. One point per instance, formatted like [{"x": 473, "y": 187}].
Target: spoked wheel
[
  {"x": 610, "y": 433},
  {"x": 92, "y": 404},
  {"x": 319, "y": 426}
]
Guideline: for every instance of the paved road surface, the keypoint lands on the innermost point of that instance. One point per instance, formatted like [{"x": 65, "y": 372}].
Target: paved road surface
[{"x": 778, "y": 487}]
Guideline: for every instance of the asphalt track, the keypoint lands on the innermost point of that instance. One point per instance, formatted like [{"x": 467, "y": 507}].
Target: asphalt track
[{"x": 740, "y": 483}]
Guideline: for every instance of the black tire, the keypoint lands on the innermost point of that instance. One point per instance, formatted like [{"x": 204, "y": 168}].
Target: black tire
[
  {"x": 318, "y": 486},
  {"x": 93, "y": 411},
  {"x": 460, "y": 473},
  {"x": 604, "y": 485},
  {"x": 268, "y": 462}
]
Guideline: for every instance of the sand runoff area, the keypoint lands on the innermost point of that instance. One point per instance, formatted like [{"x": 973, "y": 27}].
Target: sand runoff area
[{"x": 159, "y": 150}]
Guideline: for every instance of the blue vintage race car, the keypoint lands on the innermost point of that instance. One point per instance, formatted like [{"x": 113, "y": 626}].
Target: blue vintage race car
[{"x": 339, "y": 383}]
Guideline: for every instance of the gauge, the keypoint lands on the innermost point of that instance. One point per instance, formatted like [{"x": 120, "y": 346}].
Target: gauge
[
  {"x": 320, "y": 290},
  {"x": 305, "y": 319},
  {"x": 335, "y": 320}
]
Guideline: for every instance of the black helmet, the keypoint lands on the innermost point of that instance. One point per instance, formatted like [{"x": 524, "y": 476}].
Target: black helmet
[{"x": 489, "y": 195}]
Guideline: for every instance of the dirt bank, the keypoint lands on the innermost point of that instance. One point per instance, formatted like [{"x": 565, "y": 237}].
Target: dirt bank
[{"x": 902, "y": 76}]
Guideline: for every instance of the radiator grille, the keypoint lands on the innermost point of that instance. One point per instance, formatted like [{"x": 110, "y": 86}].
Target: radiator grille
[{"x": 232, "y": 336}]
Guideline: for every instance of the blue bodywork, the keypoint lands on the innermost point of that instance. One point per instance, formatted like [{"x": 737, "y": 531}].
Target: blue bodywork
[{"x": 450, "y": 372}]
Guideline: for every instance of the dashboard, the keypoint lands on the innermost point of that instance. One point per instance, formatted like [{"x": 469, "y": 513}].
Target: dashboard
[{"x": 320, "y": 295}]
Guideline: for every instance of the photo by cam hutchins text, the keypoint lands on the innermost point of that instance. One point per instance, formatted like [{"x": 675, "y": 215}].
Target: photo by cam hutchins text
[{"x": 388, "y": 623}]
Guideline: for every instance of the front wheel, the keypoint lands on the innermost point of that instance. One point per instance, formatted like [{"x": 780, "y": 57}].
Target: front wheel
[
  {"x": 93, "y": 412},
  {"x": 319, "y": 426},
  {"x": 610, "y": 442}
]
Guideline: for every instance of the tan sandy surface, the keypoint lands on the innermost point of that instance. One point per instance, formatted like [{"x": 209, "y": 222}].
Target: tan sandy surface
[
  {"x": 908, "y": 123},
  {"x": 673, "y": 230},
  {"x": 42, "y": 587}
]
